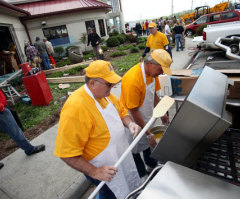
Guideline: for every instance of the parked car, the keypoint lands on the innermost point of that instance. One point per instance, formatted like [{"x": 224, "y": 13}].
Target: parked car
[
  {"x": 212, "y": 32},
  {"x": 213, "y": 18}
]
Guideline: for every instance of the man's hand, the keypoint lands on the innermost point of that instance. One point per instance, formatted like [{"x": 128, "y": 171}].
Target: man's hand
[
  {"x": 97, "y": 42},
  {"x": 104, "y": 173},
  {"x": 134, "y": 129},
  {"x": 165, "y": 119},
  {"x": 141, "y": 59}
]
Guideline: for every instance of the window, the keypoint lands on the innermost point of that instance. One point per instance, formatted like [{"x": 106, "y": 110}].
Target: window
[
  {"x": 229, "y": 15},
  {"x": 213, "y": 18},
  {"x": 57, "y": 35},
  {"x": 201, "y": 20},
  {"x": 90, "y": 24},
  {"x": 101, "y": 27}
]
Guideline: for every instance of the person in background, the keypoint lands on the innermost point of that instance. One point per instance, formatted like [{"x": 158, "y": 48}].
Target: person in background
[
  {"x": 32, "y": 54},
  {"x": 168, "y": 31},
  {"x": 179, "y": 34},
  {"x": 156, "y": 40},
  {"x": 50, "y": 51},
  {"x": 143, "y": 28},
  {"x": 8, "y": 125},
  {"x": 138, "y": 94},
  {"x": 91, "y": 135},
  {"x": 41, "y": 47},
  {"x": 146, "y": 26},
  {"x": 181, "y": 23},
  {"x": 94, "y": 39}
]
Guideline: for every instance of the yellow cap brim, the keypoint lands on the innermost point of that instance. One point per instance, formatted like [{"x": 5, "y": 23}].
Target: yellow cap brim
[
  {"x": 113, "y": 78},
  {"x": 167, "y": 70}
]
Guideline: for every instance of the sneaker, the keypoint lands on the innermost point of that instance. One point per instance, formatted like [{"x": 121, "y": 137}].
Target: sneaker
[
  {"x": 1, "y": 165},
  {"x": 38, "y": 149}
]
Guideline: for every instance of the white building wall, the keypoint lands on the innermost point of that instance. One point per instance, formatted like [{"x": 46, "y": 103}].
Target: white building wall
[
  {"x": 74, "y": 22},
  {"x": 18, "y": 29}
]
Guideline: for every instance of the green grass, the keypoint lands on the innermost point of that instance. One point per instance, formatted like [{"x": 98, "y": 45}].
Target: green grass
[
  {"x": 126, "y": 47},
  {"x": 126, "y": 62},
  {"x": 72, "y": 71},
  {"x": 64, "y": 62},
  {"x": 118, "y": 53},
  {"x": 32, "y": 115}
]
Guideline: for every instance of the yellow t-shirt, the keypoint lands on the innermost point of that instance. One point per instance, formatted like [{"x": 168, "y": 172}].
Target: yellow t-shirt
[
  {"x": 82, "y": 129},
  {"x": 133, "y": 87},
  {"x": 157, "y": 41}
]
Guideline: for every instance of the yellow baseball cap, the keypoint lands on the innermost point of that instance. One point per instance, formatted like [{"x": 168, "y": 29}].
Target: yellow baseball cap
[
  {"x": 152, "y": 25},
  {"x": 163, "y": 58},
  {"x": 102, "y": 69}
]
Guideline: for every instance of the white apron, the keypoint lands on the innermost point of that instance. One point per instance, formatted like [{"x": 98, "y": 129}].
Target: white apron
[
  {"x": 146, "y": 111},
  {"x": 127, "y": 178}
]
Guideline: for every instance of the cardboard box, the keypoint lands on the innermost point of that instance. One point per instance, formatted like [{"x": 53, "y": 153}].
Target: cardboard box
[
  {"x": 182, "y": 85},
  {"x": 234, "y": 91}
]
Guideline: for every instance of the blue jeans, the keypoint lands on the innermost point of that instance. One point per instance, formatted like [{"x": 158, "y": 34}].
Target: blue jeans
[
  {"x": 147, "y": 159},
  {"x": 147, "y": 31},
  {"x": 178, "y": 38},
  {"x": 105, "y": 192},
  {"x": 9, "y": 126},
  {"x": 45, "y": 61}
]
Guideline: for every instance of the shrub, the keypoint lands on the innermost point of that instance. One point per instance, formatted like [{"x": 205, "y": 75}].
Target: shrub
[
  {"x": 134, "y": 49},
  {"x": 121, "y": 38},
  {"x": 124, "y": 47},
  {"x": 59, "y": 50},
  {"x": 102, "y": 41},
  {"x": 131, "y": 38},
  {"x": 68, "y": 48},
  {"x": 199, "y": 30},
  {"x": 113, "y": 33},
  {"x": 87, "y": 52},
  {"x": 118, "y": 53},
  {"x": 112, "y": 41},
  {"x": 141, "y": 46},
  {"x": 104, "y": 48}
]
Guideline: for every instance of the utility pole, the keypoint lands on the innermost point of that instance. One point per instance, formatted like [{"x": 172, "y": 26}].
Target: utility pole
[
  {"x": 172, "y": 7},
  {"x": 192, "y": 6}
]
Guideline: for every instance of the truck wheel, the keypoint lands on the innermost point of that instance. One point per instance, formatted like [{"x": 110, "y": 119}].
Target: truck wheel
[{"x": 189, "y": 33}]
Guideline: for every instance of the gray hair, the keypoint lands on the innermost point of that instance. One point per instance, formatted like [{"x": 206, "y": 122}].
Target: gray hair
[{"x": 150, "y": 59}]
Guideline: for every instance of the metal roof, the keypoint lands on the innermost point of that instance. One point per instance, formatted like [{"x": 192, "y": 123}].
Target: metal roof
[
  {"x": 52, "y": 7},
  {"x": 11, "y": 9}
]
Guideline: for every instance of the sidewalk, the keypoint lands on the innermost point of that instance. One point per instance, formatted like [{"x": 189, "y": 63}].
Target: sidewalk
[{"x": 44, "y": 176}]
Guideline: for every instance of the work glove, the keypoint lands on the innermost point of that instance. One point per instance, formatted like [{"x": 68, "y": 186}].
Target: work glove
[{"x": 134, "y": 129}]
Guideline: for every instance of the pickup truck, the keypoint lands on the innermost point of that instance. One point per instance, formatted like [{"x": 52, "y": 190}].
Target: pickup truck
[{"x": 225, "y": 30}]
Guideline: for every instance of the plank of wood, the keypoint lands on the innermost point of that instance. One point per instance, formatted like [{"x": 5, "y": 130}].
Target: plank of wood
[
  {"x": 58, "y": 80},
  {"x": 47, "y": 72}
]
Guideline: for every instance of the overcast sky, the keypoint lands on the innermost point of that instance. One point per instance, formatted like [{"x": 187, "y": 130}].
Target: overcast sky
[{"x": 143, "y": 9}]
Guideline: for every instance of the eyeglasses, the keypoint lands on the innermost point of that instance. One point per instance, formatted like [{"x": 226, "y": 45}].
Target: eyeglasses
[{"x": 105, "y": 83}]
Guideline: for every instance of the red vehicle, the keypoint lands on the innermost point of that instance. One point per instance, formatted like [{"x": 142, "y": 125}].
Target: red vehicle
[{"x": 213, "y": 18}]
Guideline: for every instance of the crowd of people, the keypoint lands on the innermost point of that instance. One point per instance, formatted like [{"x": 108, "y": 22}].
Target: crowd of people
[
  {"x": 173, "y": 28},
  {"x": 40, "y": 54}
]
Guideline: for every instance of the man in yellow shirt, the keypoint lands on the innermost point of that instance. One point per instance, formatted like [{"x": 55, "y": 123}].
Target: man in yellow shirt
[
  {"x": 138, "y": 94},
  {"x": 91, "y": 135},
  {"x": 156, "y": 40}
]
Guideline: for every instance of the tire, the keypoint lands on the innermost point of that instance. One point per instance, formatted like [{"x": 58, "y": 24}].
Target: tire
[{"x": 189, "y": 33}]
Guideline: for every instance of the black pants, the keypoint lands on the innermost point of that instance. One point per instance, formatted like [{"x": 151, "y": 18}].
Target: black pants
[
  {"x": 105, "y": 192},
  {"x": 147, "y": 159}
]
